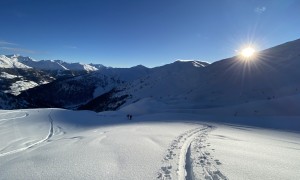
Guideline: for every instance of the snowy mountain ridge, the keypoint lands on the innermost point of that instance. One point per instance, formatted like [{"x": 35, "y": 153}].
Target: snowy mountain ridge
[
  {"x": 196, "y": 63},
  {"x": 11, "y": 62},
  {"x": 17, "y": 61},
  {"x": 19, "y": 73},
  {"x": 77, "y": 91},
  {"x": 269, "y": 76}
]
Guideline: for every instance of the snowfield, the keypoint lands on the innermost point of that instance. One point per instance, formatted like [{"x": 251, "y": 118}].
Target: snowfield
[
  {"x": 19, "y": 86},
  {"x": 62, "y": 144},
  {"x": 7, "y": 76}
]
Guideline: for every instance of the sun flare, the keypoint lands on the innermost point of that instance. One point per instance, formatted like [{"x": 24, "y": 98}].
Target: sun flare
[{"x": 248, "y": 52}]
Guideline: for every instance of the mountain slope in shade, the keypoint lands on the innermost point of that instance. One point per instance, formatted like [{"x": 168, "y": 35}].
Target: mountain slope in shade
[
  {"x": 168, "y": 81},
  {"x": 79, "y": 90},
  {"x": 16, "y": 80},
  {"x": 98, "y": 86},
  {"x": 273, "y": 73},
  {"x": 67, "y": 93},
  {"x": 126, "y": 74},
  {"x": 8, "y": 101},
  {"x": 162, "y": 82},
  {"x": 19, "y": 73}
]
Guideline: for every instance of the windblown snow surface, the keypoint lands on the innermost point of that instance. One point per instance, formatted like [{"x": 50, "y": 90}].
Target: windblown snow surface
[{"x": 156, "y": 144}]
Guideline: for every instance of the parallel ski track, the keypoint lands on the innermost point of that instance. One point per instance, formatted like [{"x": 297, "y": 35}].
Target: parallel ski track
[
  {"x": 181, "y": 150},
  {"x": 22, "y": 115},
  {"x": 50, "y": 134},
  {"x": 182, "y": 171}
]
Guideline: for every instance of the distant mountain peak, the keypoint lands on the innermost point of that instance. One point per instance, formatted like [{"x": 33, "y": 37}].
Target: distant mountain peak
[
  {"x": 13, "y": 55},
  {"x": 188, "y": 63},
  {"x": 18, "y": 61},
  {"x": 195, "y": 63},
  {"x": 139, "y": 67},
  {"x": 12, "y": 61}
]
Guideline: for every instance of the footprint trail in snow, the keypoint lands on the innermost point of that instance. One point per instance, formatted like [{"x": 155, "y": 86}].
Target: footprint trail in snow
[{"x": 187, "y": 158}]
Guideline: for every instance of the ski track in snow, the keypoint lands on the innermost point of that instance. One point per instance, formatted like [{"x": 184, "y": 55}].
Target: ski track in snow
[
  {"x": 21, "y": 114},
  {"x": 188, "y": 159},
  {"x": 203, "y": 161},
  {"x": 50, "y": 134}
]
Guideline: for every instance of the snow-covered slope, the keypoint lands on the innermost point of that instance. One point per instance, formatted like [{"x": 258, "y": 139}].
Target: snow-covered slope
[
  {"x": 7, "y": 75},
  {"x": 20, "y": 73},
  {"x": 272, "y": 74},
  {"x": 61, "y": 144},
  {"x": 269, "y": 76},
  {"x": 70, "y": 92},
  {"x": 17, "y": 87},
  {"x": 126, "y": 74},
  {"x": 43, "y": 64},
  {"x": 167, "y": 81},
  {"x": 11, "y": 62},
  {"x": 16, "y": 80},
  {"x": 79, "y": 67},
  {"x": 98, "y": 66},
  {"x": 79, "y": 90},
  {"x": 56, "y": 65}
]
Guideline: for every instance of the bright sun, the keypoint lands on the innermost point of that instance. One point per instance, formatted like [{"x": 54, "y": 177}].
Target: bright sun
[{"x": 248, "y": 52}]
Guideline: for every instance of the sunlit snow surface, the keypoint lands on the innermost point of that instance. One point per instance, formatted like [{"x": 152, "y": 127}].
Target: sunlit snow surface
[
  {"x": 19, "y": 86},
  {"x": 61, "y": 144},
  {"x": 7, "y": 76}
]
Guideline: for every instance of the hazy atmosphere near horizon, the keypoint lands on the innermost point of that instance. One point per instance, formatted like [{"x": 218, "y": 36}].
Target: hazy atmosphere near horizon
[{"x": 124, "y": 33}]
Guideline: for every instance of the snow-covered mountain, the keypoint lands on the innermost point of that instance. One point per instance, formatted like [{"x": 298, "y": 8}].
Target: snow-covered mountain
[
  {"x": 98, "y": 66},
  {"x": 271, "y": 75},
  {"x": 17, "y": 61},
  {"x": 126, "y": 74},
  {"x": 99, "y": 86},
  {"x": 70, "y": 92},
  {"x": 11, "y": 61},
  {"x": 19, "y": 73},
  {"x": 158, "y": 82},
  {"x": 15, "y": 80},
  {"x": 190, "y": 120}
]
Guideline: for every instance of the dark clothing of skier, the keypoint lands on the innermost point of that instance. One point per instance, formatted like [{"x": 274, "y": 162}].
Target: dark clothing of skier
[{"x": 129, "y": 116}]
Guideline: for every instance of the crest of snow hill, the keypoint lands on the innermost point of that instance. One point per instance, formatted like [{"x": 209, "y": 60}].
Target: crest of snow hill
[{"x": 270, "y": 81}]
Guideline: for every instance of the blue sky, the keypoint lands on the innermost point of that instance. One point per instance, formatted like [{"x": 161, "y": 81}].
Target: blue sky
[{"x": 124, "y": 33}]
